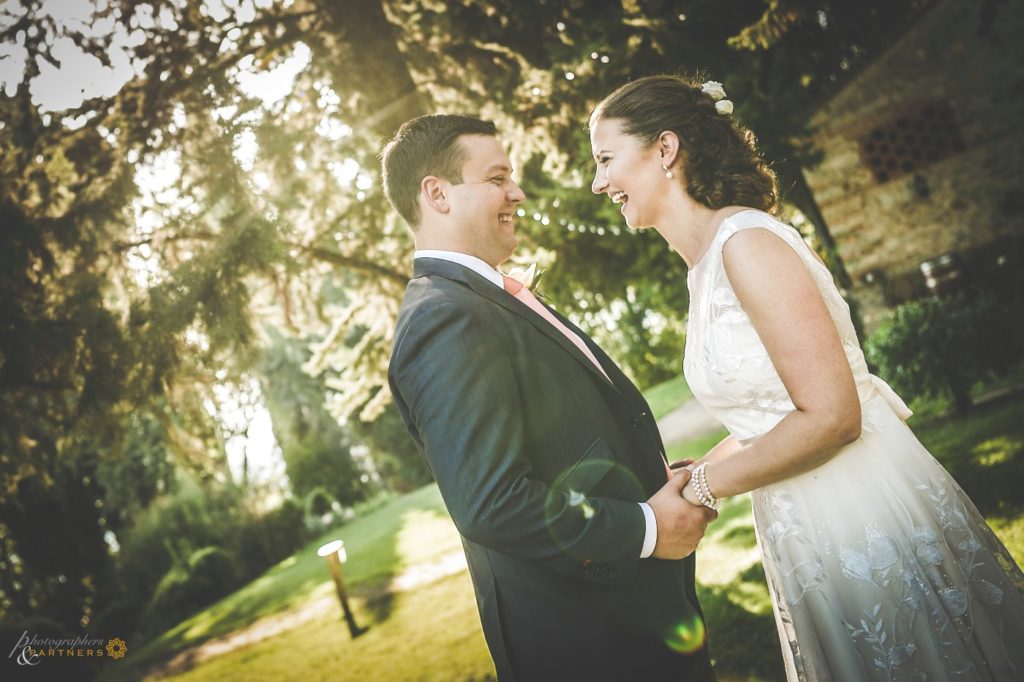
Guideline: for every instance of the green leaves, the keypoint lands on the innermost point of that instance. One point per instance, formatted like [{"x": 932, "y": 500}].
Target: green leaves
[{"x": 942, "y": 346}]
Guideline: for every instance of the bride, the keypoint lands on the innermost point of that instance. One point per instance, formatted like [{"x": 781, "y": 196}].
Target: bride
[{"x": 879, "y": 566}]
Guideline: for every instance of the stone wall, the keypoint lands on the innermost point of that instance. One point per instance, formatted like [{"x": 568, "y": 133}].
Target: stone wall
[{"x": 949, "y": 182}]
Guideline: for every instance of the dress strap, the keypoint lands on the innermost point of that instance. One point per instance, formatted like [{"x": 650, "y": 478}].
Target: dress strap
[{"x": 749, "y": 219}]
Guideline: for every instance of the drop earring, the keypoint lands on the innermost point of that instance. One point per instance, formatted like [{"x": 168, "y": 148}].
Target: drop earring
[{"x": 668, "y": 173}]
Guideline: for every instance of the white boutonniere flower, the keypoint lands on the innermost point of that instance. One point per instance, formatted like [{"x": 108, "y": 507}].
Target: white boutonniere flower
[
  {"x": 715, "y": 89},
  {"x": 524, "y": 276}
]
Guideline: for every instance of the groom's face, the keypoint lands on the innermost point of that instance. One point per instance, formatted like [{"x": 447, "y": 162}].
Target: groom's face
[{"x": 483, "y": 205}]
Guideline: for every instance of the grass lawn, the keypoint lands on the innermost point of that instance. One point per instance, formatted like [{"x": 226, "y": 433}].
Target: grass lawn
[
  {"x": 696, "y": 448},
  {"x": 409, "y": 530},
  {"x": 667, "y": 396},
  {"x": 985, "y": 454},
  {"x": 433, "y": 633}
]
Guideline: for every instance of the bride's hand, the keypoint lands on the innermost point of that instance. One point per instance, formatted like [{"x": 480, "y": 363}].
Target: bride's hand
[
  {"x": 690, "y": 495},
  {"x": 682, "y": 464}
]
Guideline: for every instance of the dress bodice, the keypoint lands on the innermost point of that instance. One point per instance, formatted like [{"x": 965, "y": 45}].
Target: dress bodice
[{"x": 725, "y": 363}]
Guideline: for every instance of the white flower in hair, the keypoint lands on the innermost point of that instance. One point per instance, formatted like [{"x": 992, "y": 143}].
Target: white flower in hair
[
  {"x": 724, "y": 106},
  {"x": 715, "y": 89}
]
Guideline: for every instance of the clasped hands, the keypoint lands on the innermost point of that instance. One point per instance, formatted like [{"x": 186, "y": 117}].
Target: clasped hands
[{"x": 682, "y": 520}]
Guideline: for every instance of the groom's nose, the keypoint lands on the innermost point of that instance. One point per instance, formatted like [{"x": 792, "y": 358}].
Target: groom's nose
[{"x": 516, "y": 194}]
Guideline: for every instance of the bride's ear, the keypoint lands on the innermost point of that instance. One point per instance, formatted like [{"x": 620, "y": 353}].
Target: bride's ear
[{"x": 668, "y": 147}]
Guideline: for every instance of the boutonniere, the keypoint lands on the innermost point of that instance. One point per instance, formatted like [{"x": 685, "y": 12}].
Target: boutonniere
[
  {"x": 529, "y": 277},
  {"x": 525, "y": 276}
]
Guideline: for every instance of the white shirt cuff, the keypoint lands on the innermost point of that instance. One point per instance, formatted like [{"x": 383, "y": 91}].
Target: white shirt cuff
[{"x": 651, "y": 534}]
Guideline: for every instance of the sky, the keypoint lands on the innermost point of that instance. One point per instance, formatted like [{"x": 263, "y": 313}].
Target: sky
[{"x": 80, "y": 76}]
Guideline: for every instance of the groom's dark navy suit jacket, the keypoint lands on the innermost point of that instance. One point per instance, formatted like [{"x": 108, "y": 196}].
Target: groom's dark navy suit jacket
[{"x": 541, "y": 461}]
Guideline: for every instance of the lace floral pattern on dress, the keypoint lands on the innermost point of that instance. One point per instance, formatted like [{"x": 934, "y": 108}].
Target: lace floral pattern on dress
[
  {"x": 932, "y": 578},
  {"x": 735, "y": 360}
]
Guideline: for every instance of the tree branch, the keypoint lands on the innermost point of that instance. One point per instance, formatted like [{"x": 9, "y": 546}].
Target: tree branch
[
  {"x": 320, "y": 254},
  {"x": 336, "y": 258}
]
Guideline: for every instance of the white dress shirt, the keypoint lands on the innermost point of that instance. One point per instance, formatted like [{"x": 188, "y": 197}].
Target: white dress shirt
[{"x": 485, "y": 270}]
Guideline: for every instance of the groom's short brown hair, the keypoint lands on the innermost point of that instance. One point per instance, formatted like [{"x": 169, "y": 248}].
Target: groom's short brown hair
[{"x": 426, "y": 145}]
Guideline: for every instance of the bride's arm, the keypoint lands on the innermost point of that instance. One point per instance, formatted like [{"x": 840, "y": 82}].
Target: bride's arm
[
  {"x": 722, "y": 449},
  {"x": 779, "y": 296}
]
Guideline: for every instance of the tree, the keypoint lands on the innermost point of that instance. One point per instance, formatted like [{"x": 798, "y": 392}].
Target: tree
[{"x": 316, "y": 449}]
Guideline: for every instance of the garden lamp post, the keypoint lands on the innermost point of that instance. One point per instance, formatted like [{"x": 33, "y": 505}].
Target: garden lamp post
[{"x": 334, "y": 553}]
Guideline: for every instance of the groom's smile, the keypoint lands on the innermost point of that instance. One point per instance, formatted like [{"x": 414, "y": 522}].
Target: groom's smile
[{"x": 484, "y": 203}]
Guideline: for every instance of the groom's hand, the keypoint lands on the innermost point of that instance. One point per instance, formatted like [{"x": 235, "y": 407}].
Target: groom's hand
[
  {"x": 680, "y": 524},
  {"x": 680, "y": 464}
]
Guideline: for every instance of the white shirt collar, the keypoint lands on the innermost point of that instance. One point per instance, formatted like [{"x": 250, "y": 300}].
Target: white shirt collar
[{"x": 472, "y": 262}]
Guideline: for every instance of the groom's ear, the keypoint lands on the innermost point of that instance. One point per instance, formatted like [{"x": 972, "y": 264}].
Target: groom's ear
[
  {"x": 668, "y": 147},
  {"x": 434, "y": 192}
]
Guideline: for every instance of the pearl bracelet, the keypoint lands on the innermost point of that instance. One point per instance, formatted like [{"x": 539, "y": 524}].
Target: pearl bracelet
[{"x": 700, "y": 486}]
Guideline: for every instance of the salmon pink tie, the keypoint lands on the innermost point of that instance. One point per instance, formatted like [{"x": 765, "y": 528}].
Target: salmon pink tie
[{"x": 525, "y": 296}]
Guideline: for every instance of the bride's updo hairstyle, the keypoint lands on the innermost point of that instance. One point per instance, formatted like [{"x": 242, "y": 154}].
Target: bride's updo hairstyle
[{"x": 720, "y": 163}]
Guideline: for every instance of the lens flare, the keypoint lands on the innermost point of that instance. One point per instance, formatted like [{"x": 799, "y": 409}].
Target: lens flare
[
  {"x": 686, "y": 637},
  {"x": 571, "y": 498}
]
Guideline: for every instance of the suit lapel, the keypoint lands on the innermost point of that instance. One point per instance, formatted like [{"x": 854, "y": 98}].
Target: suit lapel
[
  {"x": 617, "y": 377},
  {"x": 434, "y": 266}
]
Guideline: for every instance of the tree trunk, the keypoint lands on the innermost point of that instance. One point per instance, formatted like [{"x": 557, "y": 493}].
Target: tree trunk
[
  {"x": 800, "y": 195},
  {"x": 368, "y": 63},
  {"x": 960, "y": 392}
]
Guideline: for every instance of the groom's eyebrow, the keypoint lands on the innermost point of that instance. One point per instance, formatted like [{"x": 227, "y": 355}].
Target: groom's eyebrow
[{"x": 498, "y": 167}]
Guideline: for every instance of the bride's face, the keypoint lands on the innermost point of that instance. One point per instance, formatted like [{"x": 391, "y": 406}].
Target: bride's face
[{"x": 628, "y": 171}]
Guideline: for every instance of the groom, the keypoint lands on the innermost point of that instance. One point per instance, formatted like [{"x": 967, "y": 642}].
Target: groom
[{"x": 547, "y": 457}]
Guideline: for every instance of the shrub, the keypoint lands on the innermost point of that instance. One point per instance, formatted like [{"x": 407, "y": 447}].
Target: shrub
[
  {"x": 210, "y": 573},
  {"x": 318, "y": 502},
  {"x": 319, "y": 510},
  {"x": 119, "y": 617},
  {"x": 942, "y": 346},
  {"x": 213, "y": 573},
  {"x": 169, "y": 604},
  {"x": 272, "y": 537},
  {"x": 285, "y": 529},
  {"x": 172, "y": 528}
]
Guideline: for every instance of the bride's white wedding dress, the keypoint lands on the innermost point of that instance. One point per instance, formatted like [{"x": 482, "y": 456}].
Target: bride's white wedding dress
[{"x": 878, "y": 565}]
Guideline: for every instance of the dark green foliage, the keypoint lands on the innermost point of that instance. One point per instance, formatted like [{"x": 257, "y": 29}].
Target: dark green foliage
[
  {"x": 270, "y": 538},
  {"x": 399, "y": 464},
  {"x": 214, "y": 572},
  {"x": 116, "y": 617},
  {"x": 60, "y": 562},
  {"x": 171, "y": 601},
  {"x": 194, "y": 547},
  {"x": 318, "y": 502},
  {"x": 315, "y": 447},
  {"x": 168, "y": 532},
  {"x": 943, "y": 346}
]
